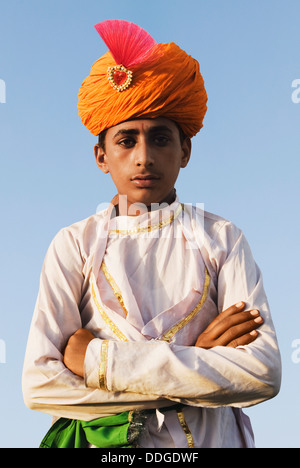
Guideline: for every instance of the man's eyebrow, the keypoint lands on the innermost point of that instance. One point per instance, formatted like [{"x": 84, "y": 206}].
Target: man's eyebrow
[
  {"x": 160, "y": 128},
  {"x": 135, "y": 131},
  {"x": 124, "y": 131}
]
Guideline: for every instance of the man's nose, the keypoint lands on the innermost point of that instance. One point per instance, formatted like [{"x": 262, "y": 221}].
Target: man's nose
[{"x": 144, "y": 156}]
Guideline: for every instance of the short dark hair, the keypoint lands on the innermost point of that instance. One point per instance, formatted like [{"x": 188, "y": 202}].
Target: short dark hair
[
  {"x": 101, "y": 139},
  {"x": 182, "y": 135}
]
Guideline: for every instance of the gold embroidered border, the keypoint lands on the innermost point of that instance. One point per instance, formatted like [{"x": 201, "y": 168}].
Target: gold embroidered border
[
  {"x": 150, "y": 227},
  {"x": 170, "y": 333},
  {"x": 105, "y": 317},
  {"x": 103, "y": 365},
  {"x": 185, "y": 428},
  {"x": 114, "y": 287}
]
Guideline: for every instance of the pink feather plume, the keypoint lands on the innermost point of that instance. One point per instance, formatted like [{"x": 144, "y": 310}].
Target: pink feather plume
[{"x": 128, "y": 43}]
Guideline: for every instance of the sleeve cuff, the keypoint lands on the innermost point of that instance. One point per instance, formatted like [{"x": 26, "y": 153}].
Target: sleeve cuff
[{"x": 95, "y": 364}]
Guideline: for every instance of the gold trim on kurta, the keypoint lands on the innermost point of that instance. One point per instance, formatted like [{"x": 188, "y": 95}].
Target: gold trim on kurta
[
  {"x": 182, "y": 323},
  {"x": 114, "y": 287},
  {"x": 185, "y": 428},
  {"x": 103, "y": 365},
  {"x": 149, "y": 228},
  {"x": 130, "y": 416},
  {"x": 106, "y": 318}
]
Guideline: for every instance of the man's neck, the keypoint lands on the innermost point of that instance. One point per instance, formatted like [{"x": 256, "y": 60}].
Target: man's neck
[{"x": 123, "y": 208}]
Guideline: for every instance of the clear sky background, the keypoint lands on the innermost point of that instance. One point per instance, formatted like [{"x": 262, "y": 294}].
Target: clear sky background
[{"x": 245, "y": 163}]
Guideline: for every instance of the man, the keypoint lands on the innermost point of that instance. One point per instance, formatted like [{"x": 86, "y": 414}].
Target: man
[{"x": 152, "y": 327}]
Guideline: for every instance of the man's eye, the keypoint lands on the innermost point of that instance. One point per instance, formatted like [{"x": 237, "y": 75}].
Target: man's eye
[
  {"x": 161, "y": 140},
  {"x": 127, "y": 142}
]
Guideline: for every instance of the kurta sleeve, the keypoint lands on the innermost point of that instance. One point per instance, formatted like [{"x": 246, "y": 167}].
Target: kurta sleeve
[
  {"x": 221, "y": 376},
  {"x": 48, "y": 386}
]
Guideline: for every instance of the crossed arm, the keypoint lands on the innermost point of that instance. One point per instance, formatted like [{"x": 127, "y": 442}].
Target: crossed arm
[
  {"x": 233, "y": 327},
  {"x": 218, "y": 369}
]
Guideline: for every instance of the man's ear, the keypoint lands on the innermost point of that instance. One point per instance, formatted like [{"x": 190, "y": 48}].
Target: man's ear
[
  {"x": 101, "y": 159},
  {"x": 186, "y": 151}
]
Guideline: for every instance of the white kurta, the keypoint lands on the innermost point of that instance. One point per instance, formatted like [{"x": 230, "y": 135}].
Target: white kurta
[{"x": 146, "y": 287}]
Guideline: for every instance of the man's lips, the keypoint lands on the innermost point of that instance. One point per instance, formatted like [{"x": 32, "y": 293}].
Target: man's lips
[{"x": 145, "y": 180}]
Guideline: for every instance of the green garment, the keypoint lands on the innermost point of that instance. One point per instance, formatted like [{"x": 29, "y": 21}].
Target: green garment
[{"x": 108, "y": 432}]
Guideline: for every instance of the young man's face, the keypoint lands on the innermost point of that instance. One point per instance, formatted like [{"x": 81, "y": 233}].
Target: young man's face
[{"x": 144, "y": 158}]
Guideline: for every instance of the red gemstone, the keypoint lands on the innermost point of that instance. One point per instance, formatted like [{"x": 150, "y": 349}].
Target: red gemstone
[{"x": 119, "y": 77}]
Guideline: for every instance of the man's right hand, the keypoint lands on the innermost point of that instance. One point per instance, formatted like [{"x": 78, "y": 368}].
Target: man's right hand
[{"x": 233, "y": 327}]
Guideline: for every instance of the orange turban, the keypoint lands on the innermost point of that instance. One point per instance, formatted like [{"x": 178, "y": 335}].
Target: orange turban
[{"x": 166, "y": 84}]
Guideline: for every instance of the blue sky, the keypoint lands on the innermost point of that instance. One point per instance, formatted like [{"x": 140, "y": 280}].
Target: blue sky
[{"x": 244, "y": 166}]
